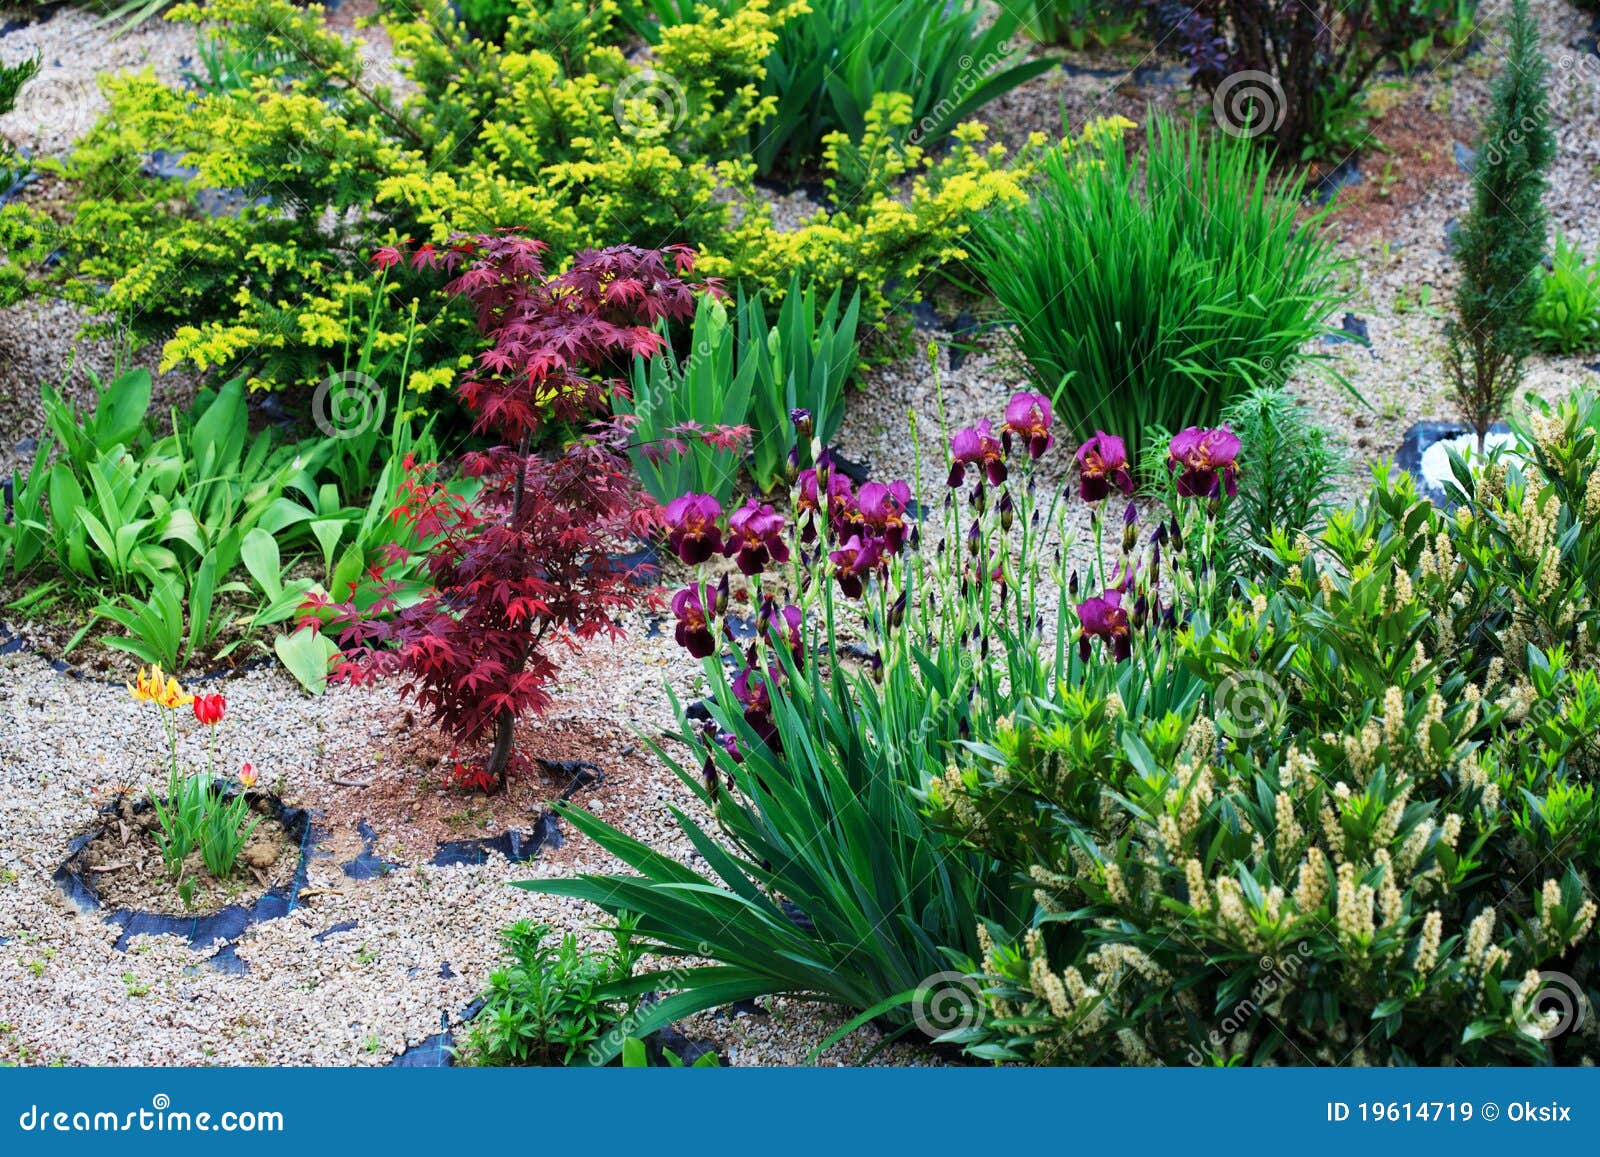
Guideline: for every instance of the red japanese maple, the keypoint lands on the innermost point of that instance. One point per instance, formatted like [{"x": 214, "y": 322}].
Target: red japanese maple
[{"x": 531, "y": 560}]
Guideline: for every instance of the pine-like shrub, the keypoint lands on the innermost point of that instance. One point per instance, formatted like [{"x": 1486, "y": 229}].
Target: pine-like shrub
[{"x": 1501, "y": 242}]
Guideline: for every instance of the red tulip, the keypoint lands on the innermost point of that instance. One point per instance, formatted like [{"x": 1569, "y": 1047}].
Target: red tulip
[{"x": 209, "y": 709}]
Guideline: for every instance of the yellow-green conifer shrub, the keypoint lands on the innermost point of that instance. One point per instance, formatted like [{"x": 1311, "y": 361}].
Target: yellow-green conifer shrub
[{"x": 340, "y": 148}]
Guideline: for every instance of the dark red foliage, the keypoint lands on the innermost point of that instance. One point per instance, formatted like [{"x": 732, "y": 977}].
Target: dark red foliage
[
  {"x": 504, "y": 585},
  {"x": 529, "y": 561},
  {"x": 561, "y": 343}
]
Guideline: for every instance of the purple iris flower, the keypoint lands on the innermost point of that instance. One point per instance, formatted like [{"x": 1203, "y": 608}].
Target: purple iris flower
[
  {"x": 1103, "y": 617},
  {"x": 853, "y": 561},
  {"x": 755, "y": 536},
  {"x": 1028, "y": 417},
  {"x": 1102, "y": 464},
  {"x": 883, "y": 510},
  {"x": 692, "y": 527},
  {"x": 976, "y": 446},
  {"x": 694, "y": 622},
  {"x": 841, "y": 501},
  {"x": 785, "y": 623},
  {"x": 753, "y": 689},
  {"x": 1208, "y": 459}
]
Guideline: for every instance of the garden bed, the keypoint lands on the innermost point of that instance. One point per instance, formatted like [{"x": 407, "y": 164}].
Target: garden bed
[
  {"x": 116, "y": 865},
  {"x": 387, "y": 884}
]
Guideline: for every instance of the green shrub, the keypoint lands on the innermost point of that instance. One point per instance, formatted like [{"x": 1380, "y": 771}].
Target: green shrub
[
  {"x": 554, "y": 131},
  {"x": 1501, "y": 242},
  {"x": 490, "y": 18},
  {"x": 833, "y": 57},
  {"x": 12, "y": 79},
  {"x": 552, "y": 1004},
  {"x": 1566, "y": 317},
  {"x": 1135, "y": 303},
  {"x": 1082, "y": 22},
  {"x": 1293, "y": 466},
  {"x": 13, "y": 169}
]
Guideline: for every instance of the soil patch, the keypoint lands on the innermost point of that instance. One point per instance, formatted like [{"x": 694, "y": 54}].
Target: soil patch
[
  {"x": 400, "y": 805},
  {"x": 121, "y": 866},
  {"x": 1411, "y": 153}
]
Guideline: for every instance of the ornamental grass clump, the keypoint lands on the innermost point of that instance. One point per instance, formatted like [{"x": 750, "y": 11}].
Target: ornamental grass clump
[{"x": 1135, "y": 301}]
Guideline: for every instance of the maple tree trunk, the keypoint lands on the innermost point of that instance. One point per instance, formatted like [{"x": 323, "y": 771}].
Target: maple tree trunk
[
  {"x": 505, "y": 723},
  {"x": 500, "y": 755}
]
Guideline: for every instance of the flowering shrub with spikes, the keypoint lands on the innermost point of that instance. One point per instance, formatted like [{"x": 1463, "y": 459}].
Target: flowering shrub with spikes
[{"x": 1349, "y": 819}]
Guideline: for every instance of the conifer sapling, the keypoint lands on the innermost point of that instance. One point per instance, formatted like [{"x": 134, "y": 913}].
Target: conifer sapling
[{"x": 1502, "y": 241}]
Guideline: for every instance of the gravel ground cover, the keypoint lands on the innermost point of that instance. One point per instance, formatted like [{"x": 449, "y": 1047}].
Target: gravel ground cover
[{"x": 361, "y": 969}]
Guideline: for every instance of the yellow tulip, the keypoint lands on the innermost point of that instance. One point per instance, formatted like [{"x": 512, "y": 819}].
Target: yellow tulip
[
  {"x": 147, "y": 688},
  {"x": 155, "y": 686},
  {"x": 172, "y": 696}
]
